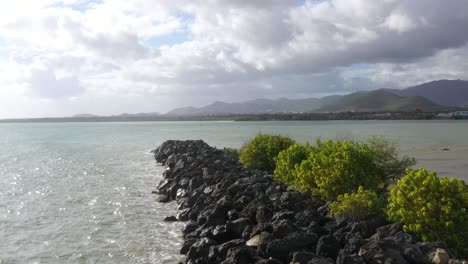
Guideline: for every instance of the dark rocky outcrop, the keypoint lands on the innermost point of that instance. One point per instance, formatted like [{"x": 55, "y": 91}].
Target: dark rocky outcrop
[{"x": 239, "y": 215}]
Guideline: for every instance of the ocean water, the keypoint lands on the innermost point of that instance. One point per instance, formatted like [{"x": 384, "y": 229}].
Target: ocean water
[{"x": 81, "y": 192}]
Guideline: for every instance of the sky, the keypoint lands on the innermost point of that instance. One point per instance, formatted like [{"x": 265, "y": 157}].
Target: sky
[{"x": 66, "y": 57}]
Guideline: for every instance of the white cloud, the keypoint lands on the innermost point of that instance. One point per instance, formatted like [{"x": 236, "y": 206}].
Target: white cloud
[
  {"x": 44, "y": 83},
  {"x": 400, "y": 23},
  {"x": 222, "y": 49}
]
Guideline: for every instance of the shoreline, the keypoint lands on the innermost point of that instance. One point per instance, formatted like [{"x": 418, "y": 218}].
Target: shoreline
[
  {"x": 339, "y": 116},
  {"x": 238, "y": 215},
  {"x": 447, "y": 160}
]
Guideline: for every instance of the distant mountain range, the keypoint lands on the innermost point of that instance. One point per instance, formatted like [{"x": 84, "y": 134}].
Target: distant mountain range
[
  {"x": 443, "y": 92},
  {"x": 124, "y": 115},
  {"x": 380, "y": 101},
  {"x": 436, "y": 96},
  {"x": 432, "y": 96},
  {"x": 257, "y": 106}
]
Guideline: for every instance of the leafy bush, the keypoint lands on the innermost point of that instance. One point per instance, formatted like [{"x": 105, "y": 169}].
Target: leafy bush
[
  {"x": 357, "y": 206},
  {"x": 287, "y": 161},
  {"x": 231, "y": 151},
  {"x": 340, "y": 167},
  {"x": 435, "y": 208},
  {"x": 386, "y": 157},
  {"x": 332, "y": 167},
  {"x": 329, "y": 169},
  {"x": 261, "y": 151}
]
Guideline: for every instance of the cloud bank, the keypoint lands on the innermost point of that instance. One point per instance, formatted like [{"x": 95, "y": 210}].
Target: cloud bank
[{"x": 60, "y": 57}]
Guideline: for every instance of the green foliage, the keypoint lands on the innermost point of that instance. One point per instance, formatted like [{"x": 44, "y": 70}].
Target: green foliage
[
  {"x": 357, "y": 206},
  {"x": 329, "y": 169},
  {"x": 287, "y": 161},
  {"x": 435, "y": 208},
  {"x": 231, "y": 151},
  {"x": 333, "y": 167},
  {"x": 340, "y": 167},
  {"x": 386, "y": 157},
  {"x": 261, "y": 151}
]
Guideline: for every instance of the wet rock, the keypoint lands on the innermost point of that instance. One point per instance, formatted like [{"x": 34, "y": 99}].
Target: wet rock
[
  {"x": 163, "y": 198},
  {"x": 183, "y": 215},
  {"x": 217, "y": 254},
  {"x": 186, "y": 245},
  {"x": 213, "y": 217},
  {"x": 221, "y": 234},
  {"x": 170, "y": 219},
  {"x": 189, "y": 227},
  {"x": 181, "y": 193},
  {"x": 200, "y": 249}
]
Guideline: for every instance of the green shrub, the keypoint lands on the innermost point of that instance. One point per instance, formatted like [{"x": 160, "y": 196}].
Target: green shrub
[
  {"x": 332, "y": 167},
  {"x": 287, "y": 161},
  {"x": 357, "y": 206},
  {"x": 340, "y": 167},
  {"x": 231, "y": 151},
  {"x": 387, "y": 159},
  {"x": 433, "y": 207},
  {"x": 261, "y": 151}
]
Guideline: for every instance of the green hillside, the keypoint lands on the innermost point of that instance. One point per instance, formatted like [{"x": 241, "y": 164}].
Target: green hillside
[{"x": 380, "y": 101}]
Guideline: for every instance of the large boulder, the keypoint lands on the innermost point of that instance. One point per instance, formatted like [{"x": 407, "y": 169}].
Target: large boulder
[
  {"x": 200, "y": 249},
  {"x": 283, "y": 248},
  {"x": 328, "y": 246}
]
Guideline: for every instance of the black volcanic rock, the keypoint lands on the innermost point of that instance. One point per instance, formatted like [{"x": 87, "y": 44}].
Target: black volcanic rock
[{"x": 227, "y": 205}]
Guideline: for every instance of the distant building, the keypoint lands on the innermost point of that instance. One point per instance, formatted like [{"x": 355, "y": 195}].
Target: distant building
[
  {"x": 445, "y": 115},
  {"x": 460, "y": 113}
]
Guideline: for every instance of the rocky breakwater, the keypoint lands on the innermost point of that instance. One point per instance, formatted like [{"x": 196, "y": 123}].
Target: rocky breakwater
[{"x": 239, "y": 215}]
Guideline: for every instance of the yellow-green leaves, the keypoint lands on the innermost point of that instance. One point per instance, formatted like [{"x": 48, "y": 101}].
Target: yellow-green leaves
[
  {"x": 261, "y": 151},
  {"x": 330, "y": 168},
  {"x": 357, "y": 206},
  {"x": 436, "y": 208}
]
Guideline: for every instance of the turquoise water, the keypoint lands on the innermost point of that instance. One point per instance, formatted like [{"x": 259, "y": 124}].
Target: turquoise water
[{"x": 81, "y": 192}]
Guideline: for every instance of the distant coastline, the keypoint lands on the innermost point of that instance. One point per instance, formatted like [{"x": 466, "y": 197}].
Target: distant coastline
[{"x": 249, "y": 117}]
